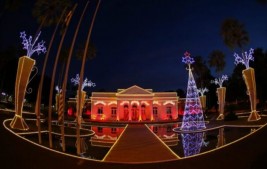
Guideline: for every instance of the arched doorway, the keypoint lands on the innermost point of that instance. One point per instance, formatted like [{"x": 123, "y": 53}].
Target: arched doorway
[
  {"x": 143, "y": 112},
  {"x": 126, "y": 112},
  {"x": 134, "y": 112}
]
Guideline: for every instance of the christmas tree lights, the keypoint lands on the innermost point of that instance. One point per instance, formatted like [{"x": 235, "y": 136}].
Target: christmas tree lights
[
  {"x": 192, "y": 143},
  {"x": 193, "y": 115},
  {"x": 30, "y": 46}
]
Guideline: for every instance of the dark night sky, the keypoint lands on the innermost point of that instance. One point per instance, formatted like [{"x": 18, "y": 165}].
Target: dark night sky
[{"x": 142, "y": 41}]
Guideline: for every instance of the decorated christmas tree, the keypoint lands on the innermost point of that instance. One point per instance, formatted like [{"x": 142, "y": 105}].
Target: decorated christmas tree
[{"x": 193, "y": 118}]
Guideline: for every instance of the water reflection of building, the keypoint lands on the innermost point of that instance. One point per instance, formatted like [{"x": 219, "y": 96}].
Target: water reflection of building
[
  {"x": 134, "y": 104},
  {"x": 192, "y": 143},
  {"x": 105, "y": 136},
  {"x": 166, "y": 134}
]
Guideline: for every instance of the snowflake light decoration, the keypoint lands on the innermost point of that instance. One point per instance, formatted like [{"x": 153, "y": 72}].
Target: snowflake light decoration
[
  {"x": 86, "y": 82},
  {"x": 202, "y": 90},
  {"x": 219, "y": 81},
  {"x": 246, "y": 57},
  {"x": 30, "y": 46},
  {"x": 187, "y": 59}
]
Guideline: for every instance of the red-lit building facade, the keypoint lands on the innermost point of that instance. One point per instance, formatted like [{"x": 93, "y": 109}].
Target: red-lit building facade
[{"x": 134, "y": 104}]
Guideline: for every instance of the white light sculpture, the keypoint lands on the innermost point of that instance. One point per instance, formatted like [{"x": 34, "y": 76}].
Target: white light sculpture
[
  {"x": 29, "y": 45},
  {"x": 25, "y": 67},
  {"x": 202, "y": 97},
  {"x": 249, "y": 77},
  {"x": 221, "y": 91},
  {"x": 86, "y": 82}
]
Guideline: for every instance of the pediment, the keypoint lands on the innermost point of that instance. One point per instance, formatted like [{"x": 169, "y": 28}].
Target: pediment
[{"x": 134, "y": 90}]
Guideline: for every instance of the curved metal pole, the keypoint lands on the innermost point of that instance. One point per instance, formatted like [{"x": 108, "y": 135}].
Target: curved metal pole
[
  {"x": 40, "y": 88},
  {"x": 64, "y": 85},
  {"x": 53, "y": 80},
  {"x": 81, "y": 79}
]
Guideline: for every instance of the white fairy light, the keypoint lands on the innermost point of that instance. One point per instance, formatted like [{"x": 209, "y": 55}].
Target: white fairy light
[
  {"x": 86, "y": 82},
  {"x": 219, "y": 81},
  {"x": 246, "y": 57},
  {"x": 30, "y": 46},
  {"x": 202, "y": 90},
  {"x": 59, "y": 90}
]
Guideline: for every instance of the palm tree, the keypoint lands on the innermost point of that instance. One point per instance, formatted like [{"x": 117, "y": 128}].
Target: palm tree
[
  {"x": 201, "y": 71},
  {"x": 234, "y": 34},
  {"x": 217, "y": 60},
  {"x": 48, "y": 12}
]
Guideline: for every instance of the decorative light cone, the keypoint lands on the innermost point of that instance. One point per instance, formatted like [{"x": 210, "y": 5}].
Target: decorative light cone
[
  {"x": 203, "y": 101},
  {"x": 221, "y": 101},
  {"x": 24, "y": 70},
  {"x": 192, "y": 143},
  {"x": 193, "y": 118},
  {"x": 249, "y": 77},
  {"x": 221, "y": 138},
  {"x": 80, "y": 108}
]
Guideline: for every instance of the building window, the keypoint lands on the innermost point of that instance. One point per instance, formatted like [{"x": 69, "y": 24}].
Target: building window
[
  {"x": 113, "y": 111},
  {"x": 100, "y": 110},
  {"x": 113, "y": 130},
  {"x": 155, "y": 111},
  {"x": 169, "y": 112}
]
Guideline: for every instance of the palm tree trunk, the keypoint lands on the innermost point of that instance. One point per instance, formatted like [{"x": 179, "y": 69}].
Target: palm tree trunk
[
  {"x": 40, "y": 88},
  {"x": 52, "y": 88},
  {"x": 81, "y": 80}
]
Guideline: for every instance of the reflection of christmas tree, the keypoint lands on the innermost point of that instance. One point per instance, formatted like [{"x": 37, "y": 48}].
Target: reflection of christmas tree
[
  {"x": 192, "y": 143},
  {"x": 193, "y": 115}
]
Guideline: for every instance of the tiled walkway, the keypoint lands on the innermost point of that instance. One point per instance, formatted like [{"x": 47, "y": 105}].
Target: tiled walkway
[{"x": 139, "y": 144}]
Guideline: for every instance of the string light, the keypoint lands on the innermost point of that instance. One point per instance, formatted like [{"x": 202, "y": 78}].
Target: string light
[
  {"x": 86, "y": 82},
  {"x": 202, "y": 91},
  {"x": 246, "y": 57},
  {"x": 193, "y": 118},
  {"x": 30, "y": 46}
]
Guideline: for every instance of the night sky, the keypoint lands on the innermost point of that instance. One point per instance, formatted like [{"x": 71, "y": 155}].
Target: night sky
[{"x": 142, "y": 42}]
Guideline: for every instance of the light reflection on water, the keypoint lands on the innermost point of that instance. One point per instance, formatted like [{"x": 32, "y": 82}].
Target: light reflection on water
[
  {"x": 183, "y": 144},
  {"x": 188, "y": 144}
]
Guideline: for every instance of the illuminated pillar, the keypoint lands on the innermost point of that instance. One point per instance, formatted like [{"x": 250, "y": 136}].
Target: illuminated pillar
[
  {"x": 130, "y": 112},
  {"x": 249, "y": 77},
  {"x": 59, "y": 107},
  {"x": 79, "y": 106},
  {"x": 140, "y": 112},
  {"x": 221, "y": 101},
  {"x": 203, "y": 101},
  {"x": 24, "y": 70}
]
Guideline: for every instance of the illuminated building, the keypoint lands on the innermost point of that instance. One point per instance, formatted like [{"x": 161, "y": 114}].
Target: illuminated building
[{"x": 134, "y": 104}]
